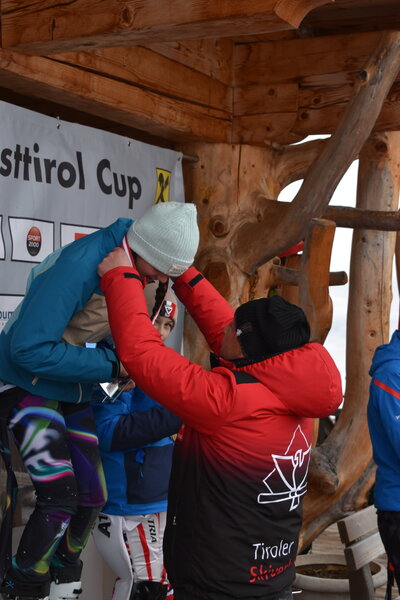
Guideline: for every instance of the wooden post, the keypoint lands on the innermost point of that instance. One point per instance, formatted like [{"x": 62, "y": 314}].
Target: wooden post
[{"x": 314, "y": 296}]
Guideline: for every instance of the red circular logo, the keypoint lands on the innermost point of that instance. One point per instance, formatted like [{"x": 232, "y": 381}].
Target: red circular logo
[{"x": 34, "y": 241}]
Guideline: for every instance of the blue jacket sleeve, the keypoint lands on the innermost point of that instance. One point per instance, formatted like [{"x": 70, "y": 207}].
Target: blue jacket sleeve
[
  {"x": 385, "y": 403},
  {"x": 144, "y": 427},
  {"x": 60, "y": 287},
  {"x": 120, "y": 429}
]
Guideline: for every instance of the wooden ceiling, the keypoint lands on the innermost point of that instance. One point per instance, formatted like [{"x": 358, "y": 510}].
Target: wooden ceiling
[{"x": 266, "y": 71}]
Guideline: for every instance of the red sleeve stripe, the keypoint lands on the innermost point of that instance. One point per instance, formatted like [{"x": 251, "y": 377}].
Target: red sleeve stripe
[{"x": 386, "y": 388}]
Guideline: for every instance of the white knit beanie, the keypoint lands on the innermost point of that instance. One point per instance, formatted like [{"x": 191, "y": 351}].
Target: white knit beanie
[{"x": 167, "y": 237}]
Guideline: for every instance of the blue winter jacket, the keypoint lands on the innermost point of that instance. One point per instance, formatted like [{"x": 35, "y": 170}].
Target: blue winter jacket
[
  {"x": 384, "y": 422},
  {"x": 136, "y": 452},
  {"x": 33, "y": 355}
]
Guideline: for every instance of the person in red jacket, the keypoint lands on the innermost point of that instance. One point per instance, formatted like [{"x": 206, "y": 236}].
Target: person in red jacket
[{"x": 241, "y": 458}]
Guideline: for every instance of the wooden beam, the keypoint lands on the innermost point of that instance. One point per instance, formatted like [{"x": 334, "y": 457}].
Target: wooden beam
[
  {"x": 54, "y": 27},
  {"x": 127, "y": 103},
  {"x": 256, "y": 99},
  {"x": 320, "y": 111},
  {"x": 303, "y": 59},
  {"x": 357, "y": 218},
  {"x": 210, "y": 57},
  {"x": 348, "y": 17},
  {"x": 260, "y": 129},
  {"x": 288, "y": 276},
  {"x": 149, "y": 70},
  {"x": 344, "y": 216}
]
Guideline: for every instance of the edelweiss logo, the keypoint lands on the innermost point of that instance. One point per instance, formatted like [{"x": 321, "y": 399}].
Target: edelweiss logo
[{"x": 292, "y": 470}]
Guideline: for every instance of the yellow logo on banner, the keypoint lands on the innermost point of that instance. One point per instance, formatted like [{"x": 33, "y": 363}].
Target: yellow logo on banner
[{"x": 163, "y": 181}]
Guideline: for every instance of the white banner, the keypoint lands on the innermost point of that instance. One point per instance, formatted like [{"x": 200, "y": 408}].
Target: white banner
[{"x": 59, "y": 181}]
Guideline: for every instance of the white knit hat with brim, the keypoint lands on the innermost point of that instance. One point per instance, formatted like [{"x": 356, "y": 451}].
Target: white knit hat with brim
[{"x": 167, "y": 237}]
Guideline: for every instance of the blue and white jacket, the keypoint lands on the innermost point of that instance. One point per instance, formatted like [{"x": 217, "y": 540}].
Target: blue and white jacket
[
  {"x": 136, "y": 452},
  {"x": 384, "y": 423},
  {"x": 34, "y": 353}
]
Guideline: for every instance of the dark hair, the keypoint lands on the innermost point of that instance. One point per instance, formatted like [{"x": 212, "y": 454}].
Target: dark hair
[{"x": 159, "y": 297}]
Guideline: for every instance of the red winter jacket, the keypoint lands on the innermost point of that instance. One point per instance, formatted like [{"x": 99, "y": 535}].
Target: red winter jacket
[{"x": 241, "y": 459}]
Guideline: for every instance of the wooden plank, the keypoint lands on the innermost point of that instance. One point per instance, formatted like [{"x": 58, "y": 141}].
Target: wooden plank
[
  {"x": 361, "y": 584},
  {"x": 151, "y": 71},
  {"x": 112, "y": 99},
  {"x": 345, "y": 17},
  {"x": 316, "y": 119},
  {"x": 257, "y": 129},
  {"x": 363, "y": 552},
  {"x": 46, "y": 27},
  {"x": 360, "y": 523},
  {"x": 210, "y": 57},
  {"x": 319, "y": 112},
  {"x": 263, "y": 98},
  {"x": 288, "y": 60}
]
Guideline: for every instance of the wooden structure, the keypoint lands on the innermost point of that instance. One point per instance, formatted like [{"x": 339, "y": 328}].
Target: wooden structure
[
  {"x": 363, "y": 544},
  {"x": 234, "y": 85}
]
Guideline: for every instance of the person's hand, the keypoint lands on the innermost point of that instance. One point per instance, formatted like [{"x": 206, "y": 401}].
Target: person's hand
[
  {"x": 125, "y": 384},
  {"x": 116, "y": 258},
  {"x": 122, "y": 371},
  {"x": 128, "y": 385}
]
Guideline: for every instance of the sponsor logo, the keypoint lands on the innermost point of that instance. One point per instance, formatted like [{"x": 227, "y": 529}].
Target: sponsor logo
[
  {"x": 168, "y": 309},
  {"x": 152, "y": 531},
  {"x": 264, "y": 552},
  {"x": 163, "y": 186},
  {"x": 34, "y": 241},
  {"x": 266, "y": 572}
]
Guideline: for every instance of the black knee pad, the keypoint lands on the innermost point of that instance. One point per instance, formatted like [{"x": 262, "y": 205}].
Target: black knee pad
[
  {"x": 148, "y": 590},
  {"x": 66, "y": 574}
]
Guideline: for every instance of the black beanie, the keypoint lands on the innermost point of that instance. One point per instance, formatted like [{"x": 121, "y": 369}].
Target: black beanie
[{"x": 269, "y": 326}]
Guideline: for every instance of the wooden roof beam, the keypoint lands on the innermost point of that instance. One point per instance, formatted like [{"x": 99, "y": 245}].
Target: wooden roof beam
[
  {"x": 52, "y": 27},
  {"x": 116, "y": 100}
]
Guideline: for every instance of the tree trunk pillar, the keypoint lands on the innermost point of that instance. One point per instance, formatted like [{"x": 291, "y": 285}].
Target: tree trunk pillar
[{"x": 370, "y": 289}]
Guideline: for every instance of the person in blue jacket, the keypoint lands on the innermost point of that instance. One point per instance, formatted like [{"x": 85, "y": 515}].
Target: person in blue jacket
[
  {"x": 47, "y": 373},
  {"x": 384, "y": 427},
  {"x": 136, "y": 449}
]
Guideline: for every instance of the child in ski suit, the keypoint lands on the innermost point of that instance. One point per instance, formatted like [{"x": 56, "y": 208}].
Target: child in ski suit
[{"x": 136, "y": 449}]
